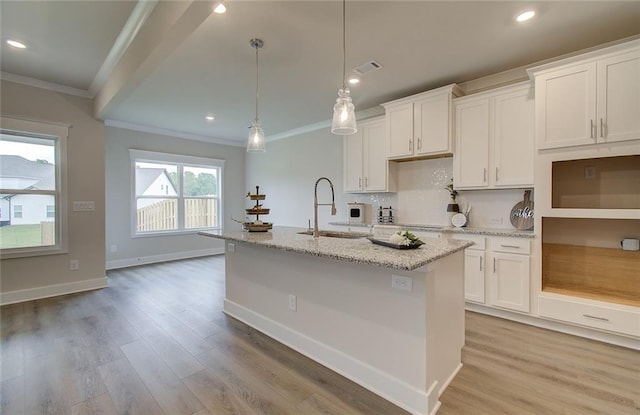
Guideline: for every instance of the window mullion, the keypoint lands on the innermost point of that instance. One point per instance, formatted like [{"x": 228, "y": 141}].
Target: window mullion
[{"x": 181, "y": 221}]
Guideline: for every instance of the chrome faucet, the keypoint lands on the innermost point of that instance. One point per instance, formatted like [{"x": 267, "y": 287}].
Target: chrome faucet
[{"x": 316, "y": 232}]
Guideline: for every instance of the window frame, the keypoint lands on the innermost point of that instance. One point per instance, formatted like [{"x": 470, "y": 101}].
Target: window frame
[
  {"x": 58, "y": 133},
  {"x": 181, "y": 161}
]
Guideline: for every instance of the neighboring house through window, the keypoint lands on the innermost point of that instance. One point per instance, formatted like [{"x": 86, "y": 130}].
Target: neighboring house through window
[
  {"x": 32, "y": 188},
  {"x": 174, "y": 193}
]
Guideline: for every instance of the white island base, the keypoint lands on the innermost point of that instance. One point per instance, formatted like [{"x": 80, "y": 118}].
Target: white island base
[{"x": 402, "y": 344}]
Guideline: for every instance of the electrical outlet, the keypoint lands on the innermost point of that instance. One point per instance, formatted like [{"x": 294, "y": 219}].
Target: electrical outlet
[
  {"x": 400, "y": 282},
  {"x": 74, "y": 264},
  {"x": 114, "y": 248},
  {"x": 231, "y": 247},
  {"x": 293, "y": 303},
  {"x": 589, "y": 173}
]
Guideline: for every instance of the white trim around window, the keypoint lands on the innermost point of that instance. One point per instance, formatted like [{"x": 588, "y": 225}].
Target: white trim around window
[
  {"x": 180, "y": 162},
  {"x": 57, "y": 133}
]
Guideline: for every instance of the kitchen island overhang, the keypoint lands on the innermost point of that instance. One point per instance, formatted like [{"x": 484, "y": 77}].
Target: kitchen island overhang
[{"x": 332, "y": 300}]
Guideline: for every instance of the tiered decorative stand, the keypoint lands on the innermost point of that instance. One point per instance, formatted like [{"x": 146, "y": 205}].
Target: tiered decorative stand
[{"x": 257, "y": 210}]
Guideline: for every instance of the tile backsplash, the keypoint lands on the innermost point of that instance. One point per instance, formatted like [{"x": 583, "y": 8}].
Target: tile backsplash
[{"x": 422, "y": 198}]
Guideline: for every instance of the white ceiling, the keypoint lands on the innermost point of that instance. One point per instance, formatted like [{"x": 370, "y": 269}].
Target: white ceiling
[{"x": 209, "y": 67}]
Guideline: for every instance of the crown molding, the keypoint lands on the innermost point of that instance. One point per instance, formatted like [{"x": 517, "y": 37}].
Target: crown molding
[
  {"x": 51, "y": 86},
  {"x": 170, "y": 133}
]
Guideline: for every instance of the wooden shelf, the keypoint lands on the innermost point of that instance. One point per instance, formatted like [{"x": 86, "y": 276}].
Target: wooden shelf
[{"x": 604, "y": 274}]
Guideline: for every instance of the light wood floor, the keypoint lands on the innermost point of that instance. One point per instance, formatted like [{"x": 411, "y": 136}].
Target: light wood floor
[{"x": 156, "y": 342}]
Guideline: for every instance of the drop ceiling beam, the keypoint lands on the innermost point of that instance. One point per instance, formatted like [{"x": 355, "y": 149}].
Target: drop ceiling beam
[{"x": 169, "y": 24}]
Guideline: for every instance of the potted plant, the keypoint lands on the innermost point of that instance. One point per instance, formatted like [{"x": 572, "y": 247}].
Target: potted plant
[{"x": 452, "y": 207}]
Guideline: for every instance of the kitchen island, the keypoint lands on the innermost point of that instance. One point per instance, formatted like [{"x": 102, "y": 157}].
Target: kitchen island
[{"x": 390, "y": 320}]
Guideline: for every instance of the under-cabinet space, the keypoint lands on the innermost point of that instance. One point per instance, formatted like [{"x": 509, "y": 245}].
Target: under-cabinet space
[{"x": 583, "y": 258}]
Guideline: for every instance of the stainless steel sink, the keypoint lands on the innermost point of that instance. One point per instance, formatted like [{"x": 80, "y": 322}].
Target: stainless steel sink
[{"x": 337, "y": 234}]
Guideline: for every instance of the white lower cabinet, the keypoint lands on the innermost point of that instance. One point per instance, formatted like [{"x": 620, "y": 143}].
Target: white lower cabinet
[
  {"x": 614, "y": 318},
  {"x": 510, "y": 281},
  {"x": 474, "y": 263},
  {"x": 497, "y": 272},
  {"x": 510, "y": 273}
]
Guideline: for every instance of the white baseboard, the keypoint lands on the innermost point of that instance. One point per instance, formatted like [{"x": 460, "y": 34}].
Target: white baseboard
[
  {"x": 557, "y": 326},
  {"x": 20, "y": 296},
  {"x": 395, "y": 391},
  {"x": 172, "y": 256}
]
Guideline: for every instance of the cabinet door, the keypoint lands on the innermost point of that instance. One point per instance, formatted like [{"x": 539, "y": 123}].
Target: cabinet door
[
  {"x": 510, "y": 281},
  {"x": 432, "y": 125},
  {"x": 471, "y": 159},
  {"x": 399, "y": 130},
  {"x": 619, "y": 98},
  {"x": 513, "y": 139},
  {"x": 352, "y": 162},
  {"x": 566, "y": 106},
  {"x": 474, "y": 275},
  {"x": 375, "y": 159}
]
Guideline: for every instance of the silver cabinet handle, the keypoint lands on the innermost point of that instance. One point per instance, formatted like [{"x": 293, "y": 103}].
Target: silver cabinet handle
[
  {"x": 496, "y": 174},
  {"x": 410, "y": 145},
  {"x": 601, "y": 128},
  {"x": 419, "y": 143},
  {"x": 494, "y": 265},
  {"x": 366, "y": 182},
  {"x": 480, "y": 263},
  {"x": 595, "y": 317},
  {"x": 591, "y": 129},
  {"x": 510, "y": 246},
  {"x": 484, "y": 175},
  {"x": 360, "y": 182}
]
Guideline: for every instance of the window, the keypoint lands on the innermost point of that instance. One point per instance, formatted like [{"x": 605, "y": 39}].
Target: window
[
  {"x": 174, "y": 193},
  {"x": 32, "y": 188}
]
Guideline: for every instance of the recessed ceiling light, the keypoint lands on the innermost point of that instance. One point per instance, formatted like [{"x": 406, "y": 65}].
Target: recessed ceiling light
[
  {"x": 526, "y": 15},
  {"x": 220, "y": 8},
  {"x": 16, "y": 44},
  {"x": 354, "y": 81},
  {"x": 209, "y": 118}
]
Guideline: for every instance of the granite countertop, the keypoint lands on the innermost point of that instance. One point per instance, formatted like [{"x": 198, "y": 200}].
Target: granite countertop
[
  {"x": 515, "y": 233},
  {"x": 359, "y": 250}
]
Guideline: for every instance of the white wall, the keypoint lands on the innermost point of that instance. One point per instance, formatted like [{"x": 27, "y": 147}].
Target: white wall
[
  {"x": 25, "y": 278},
  {"x": 288, "y": 170},
  {"x": 131, "y": 251},
  {"x": 287, "y": 173}
]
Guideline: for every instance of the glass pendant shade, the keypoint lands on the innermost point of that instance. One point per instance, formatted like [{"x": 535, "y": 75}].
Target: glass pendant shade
[
  {"x": 256, "y": 142},
  {"x": 344, "y": 114}
]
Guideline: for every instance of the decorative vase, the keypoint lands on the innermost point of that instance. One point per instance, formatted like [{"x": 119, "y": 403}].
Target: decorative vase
[{"x": 452, "y": 209}]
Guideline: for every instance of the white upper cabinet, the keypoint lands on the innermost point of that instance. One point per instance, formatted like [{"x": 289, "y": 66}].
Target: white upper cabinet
[
  {"x": 494, "y": 137},
  {"x": 366, "y": 168},
  {"x": 419, "y": 126},
  {"x": 589, "y": 99}
]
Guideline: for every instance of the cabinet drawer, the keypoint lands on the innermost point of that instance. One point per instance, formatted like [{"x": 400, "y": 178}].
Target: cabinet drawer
[
  {"x": 590, "y": 315},
  {"x": 479, "y": 241},
  {"x": 511, "y": 245}
]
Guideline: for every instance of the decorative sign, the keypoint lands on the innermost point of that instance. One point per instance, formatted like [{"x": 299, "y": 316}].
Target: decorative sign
[{"x": 522, "y": 213}]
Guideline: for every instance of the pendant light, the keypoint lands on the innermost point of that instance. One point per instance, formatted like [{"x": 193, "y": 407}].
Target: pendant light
[
  {"x": 344, "y": 113},
  {"x": 255, "y": 142}
]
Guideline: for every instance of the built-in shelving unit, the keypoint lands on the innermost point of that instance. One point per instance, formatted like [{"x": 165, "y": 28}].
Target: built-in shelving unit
[{"x": 583, "y": 258}]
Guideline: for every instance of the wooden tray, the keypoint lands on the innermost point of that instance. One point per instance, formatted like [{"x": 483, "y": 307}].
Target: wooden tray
[
  {"x": 394, "y": 246},
  {"x": 259, "y": 211},
  {"x": 252, "y": 227}
]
